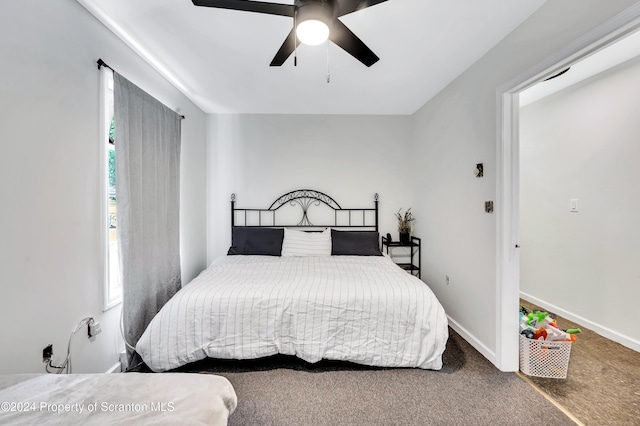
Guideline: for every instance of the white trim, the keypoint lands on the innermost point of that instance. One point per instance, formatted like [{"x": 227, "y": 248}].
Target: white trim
[
  {"x": 507, "y": 189},
  {"x": 108, "y": 301},
  {"x": 115, "y": 368},
  {"x": 472, "y": 340},
  {"x": 625, "y": 23},
  {"x": 104, "y": 217},
  {"x": 507, "y": 234},
  {"x": 156, "y": 64},
  {"x": 610, "y": 334}
]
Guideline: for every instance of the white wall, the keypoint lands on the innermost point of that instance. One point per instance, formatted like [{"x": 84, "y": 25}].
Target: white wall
[
  {"x": 457, "y": 129},
  {"x": 50, "y": 266},
  {"x": 260, "y": 157},
  {"x": 583, "y": 143}
]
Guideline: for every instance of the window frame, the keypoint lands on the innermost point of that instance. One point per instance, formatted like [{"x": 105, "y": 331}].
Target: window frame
[{"x": 111, "y": 298}]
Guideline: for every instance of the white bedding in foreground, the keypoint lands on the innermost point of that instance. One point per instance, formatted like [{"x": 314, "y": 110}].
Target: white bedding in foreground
[
  {"x": 363, "y": 309},
  {"x": 108, "y": 399}
]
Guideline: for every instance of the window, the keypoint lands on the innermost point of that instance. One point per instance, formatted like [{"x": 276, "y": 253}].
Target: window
[{"x": 112, "y": 281}]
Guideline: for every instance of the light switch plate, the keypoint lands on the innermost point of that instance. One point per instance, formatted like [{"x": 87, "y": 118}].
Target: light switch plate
[{"x": 573, "y": 205}]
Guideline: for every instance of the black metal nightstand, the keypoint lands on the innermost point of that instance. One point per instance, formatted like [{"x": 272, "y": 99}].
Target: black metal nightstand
[{"x": 414, "y": 246}]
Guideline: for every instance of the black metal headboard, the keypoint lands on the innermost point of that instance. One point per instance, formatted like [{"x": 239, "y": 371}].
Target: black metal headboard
[{"x": 359, "y": 218}]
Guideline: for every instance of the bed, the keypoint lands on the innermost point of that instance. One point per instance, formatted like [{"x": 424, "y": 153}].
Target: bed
[
  {"x": 107, "y": 399},
  {"x": 329, "y": 294}
]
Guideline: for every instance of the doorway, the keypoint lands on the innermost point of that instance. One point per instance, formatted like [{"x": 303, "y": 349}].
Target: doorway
[
  {"x": 508, "y": 168},
  {"x": 578, "y": 192}
]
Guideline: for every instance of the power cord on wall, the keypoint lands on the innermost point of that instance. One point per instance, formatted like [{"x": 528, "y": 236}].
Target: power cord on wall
[
  {"x": 130, "y": 368},
  {"x": 67, "y": 362},
  {"x": 122, "y": 331}
]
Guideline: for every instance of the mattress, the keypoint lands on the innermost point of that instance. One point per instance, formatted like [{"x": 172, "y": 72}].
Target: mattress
[
  {"x": 363, "y": 309},
  {"x": 108, "y": 399}
]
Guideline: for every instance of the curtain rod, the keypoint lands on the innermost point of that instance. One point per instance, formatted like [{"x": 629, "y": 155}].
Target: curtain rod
[{"x": 102, "y": 63}]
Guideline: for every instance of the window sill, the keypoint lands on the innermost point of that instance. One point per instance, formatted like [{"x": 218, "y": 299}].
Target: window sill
[{"x": 111, "y": 304}]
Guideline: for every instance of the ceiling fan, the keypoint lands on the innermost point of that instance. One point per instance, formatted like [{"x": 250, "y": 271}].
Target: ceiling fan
[{"x": 313, "y": 22}]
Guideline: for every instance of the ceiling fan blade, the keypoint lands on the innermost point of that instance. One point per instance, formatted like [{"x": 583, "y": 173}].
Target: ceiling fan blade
[
  {"x": 343, "y": 37},
  {"x": 286, "y": 49},
  {"x": 249, "y": 6},
  {"x": 344, "y": 7}
]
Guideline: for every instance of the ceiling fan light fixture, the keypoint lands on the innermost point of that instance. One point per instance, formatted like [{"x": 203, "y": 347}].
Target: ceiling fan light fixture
[
  {"x": 323, "y": 24},
  {"x": 312, "y": 32}
]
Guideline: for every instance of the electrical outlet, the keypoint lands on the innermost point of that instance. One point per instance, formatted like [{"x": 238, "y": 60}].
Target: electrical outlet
[
  {"x": 93, "y": 329},
  {"x": 446, "y": 279},
  {"x": 479, "y": 170},
  {"x": 488, "y": 206},
  {"x": 47, "y": 353}
]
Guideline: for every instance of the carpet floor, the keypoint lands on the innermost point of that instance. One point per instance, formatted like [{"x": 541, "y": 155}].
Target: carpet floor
[
  {"x": 468, "y": 390},
  {"x": 603, "y": 381}
]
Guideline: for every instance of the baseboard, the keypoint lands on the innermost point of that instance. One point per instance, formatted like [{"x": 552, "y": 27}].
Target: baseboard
[
  {"x": 116, "y": 368},
  {"x": 472, "y": 340},
  {"x": 600, "y": 329}
]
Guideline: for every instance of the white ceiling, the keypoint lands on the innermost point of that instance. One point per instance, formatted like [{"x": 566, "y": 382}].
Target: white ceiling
[
  {"x": 220, "y": 58},
  {"x": 621, "y": 51}
]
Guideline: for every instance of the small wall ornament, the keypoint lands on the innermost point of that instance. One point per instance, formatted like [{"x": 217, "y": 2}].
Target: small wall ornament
[{"x": 404, "y": 225}]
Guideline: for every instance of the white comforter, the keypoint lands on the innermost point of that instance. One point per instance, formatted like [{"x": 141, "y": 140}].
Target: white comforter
[
  {"x": 116, "y": 399},
  {"x": 362, "y": 309}
]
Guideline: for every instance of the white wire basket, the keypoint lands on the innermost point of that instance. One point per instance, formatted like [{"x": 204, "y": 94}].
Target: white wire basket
[{"x": 543, "y": 358}]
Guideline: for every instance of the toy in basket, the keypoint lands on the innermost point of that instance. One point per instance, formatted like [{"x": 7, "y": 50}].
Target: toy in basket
[{"x": 544, "y": 348}]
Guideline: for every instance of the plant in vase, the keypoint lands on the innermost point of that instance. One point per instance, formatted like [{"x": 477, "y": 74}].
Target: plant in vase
[{"x": 404, "y": 225}]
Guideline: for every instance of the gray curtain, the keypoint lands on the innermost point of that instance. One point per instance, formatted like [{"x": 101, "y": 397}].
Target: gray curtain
[{"x": 147, "y": 145}]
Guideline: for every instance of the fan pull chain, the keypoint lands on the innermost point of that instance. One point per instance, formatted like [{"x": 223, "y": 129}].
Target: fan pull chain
[
  {"x": 295, "y": 39},
  {"x": 328, "y": 69}
]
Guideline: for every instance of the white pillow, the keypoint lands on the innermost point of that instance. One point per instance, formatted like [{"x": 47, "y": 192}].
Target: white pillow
[{"x": 300, "y": 243}]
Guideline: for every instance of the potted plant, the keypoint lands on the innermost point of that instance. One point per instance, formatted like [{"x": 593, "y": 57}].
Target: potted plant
[{"x": 404, "y": 225}]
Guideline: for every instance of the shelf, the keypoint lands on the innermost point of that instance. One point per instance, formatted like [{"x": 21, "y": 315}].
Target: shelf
[
  {"x": 414, "y": 245},
  {"x": 399, "y": 244},
  {"x": 408, "y": 266}
]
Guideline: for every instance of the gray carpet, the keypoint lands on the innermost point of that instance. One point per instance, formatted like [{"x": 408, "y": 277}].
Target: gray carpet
[{"x": 467, "y": 391}]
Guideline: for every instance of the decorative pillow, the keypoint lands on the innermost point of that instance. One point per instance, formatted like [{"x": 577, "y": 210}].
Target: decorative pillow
[
  {"x": 301, "y": 243},
  {"x": 256, "y": 241},
  {"x": 355, "y": 243}
]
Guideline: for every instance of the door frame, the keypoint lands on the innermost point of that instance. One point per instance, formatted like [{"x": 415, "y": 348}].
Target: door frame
[{"x": 507, "y": 206}]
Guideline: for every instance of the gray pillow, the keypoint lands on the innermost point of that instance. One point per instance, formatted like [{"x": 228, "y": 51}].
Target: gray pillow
[
  {"x": 256, "y": 241},
  {"x": 355, "y": 243}
]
